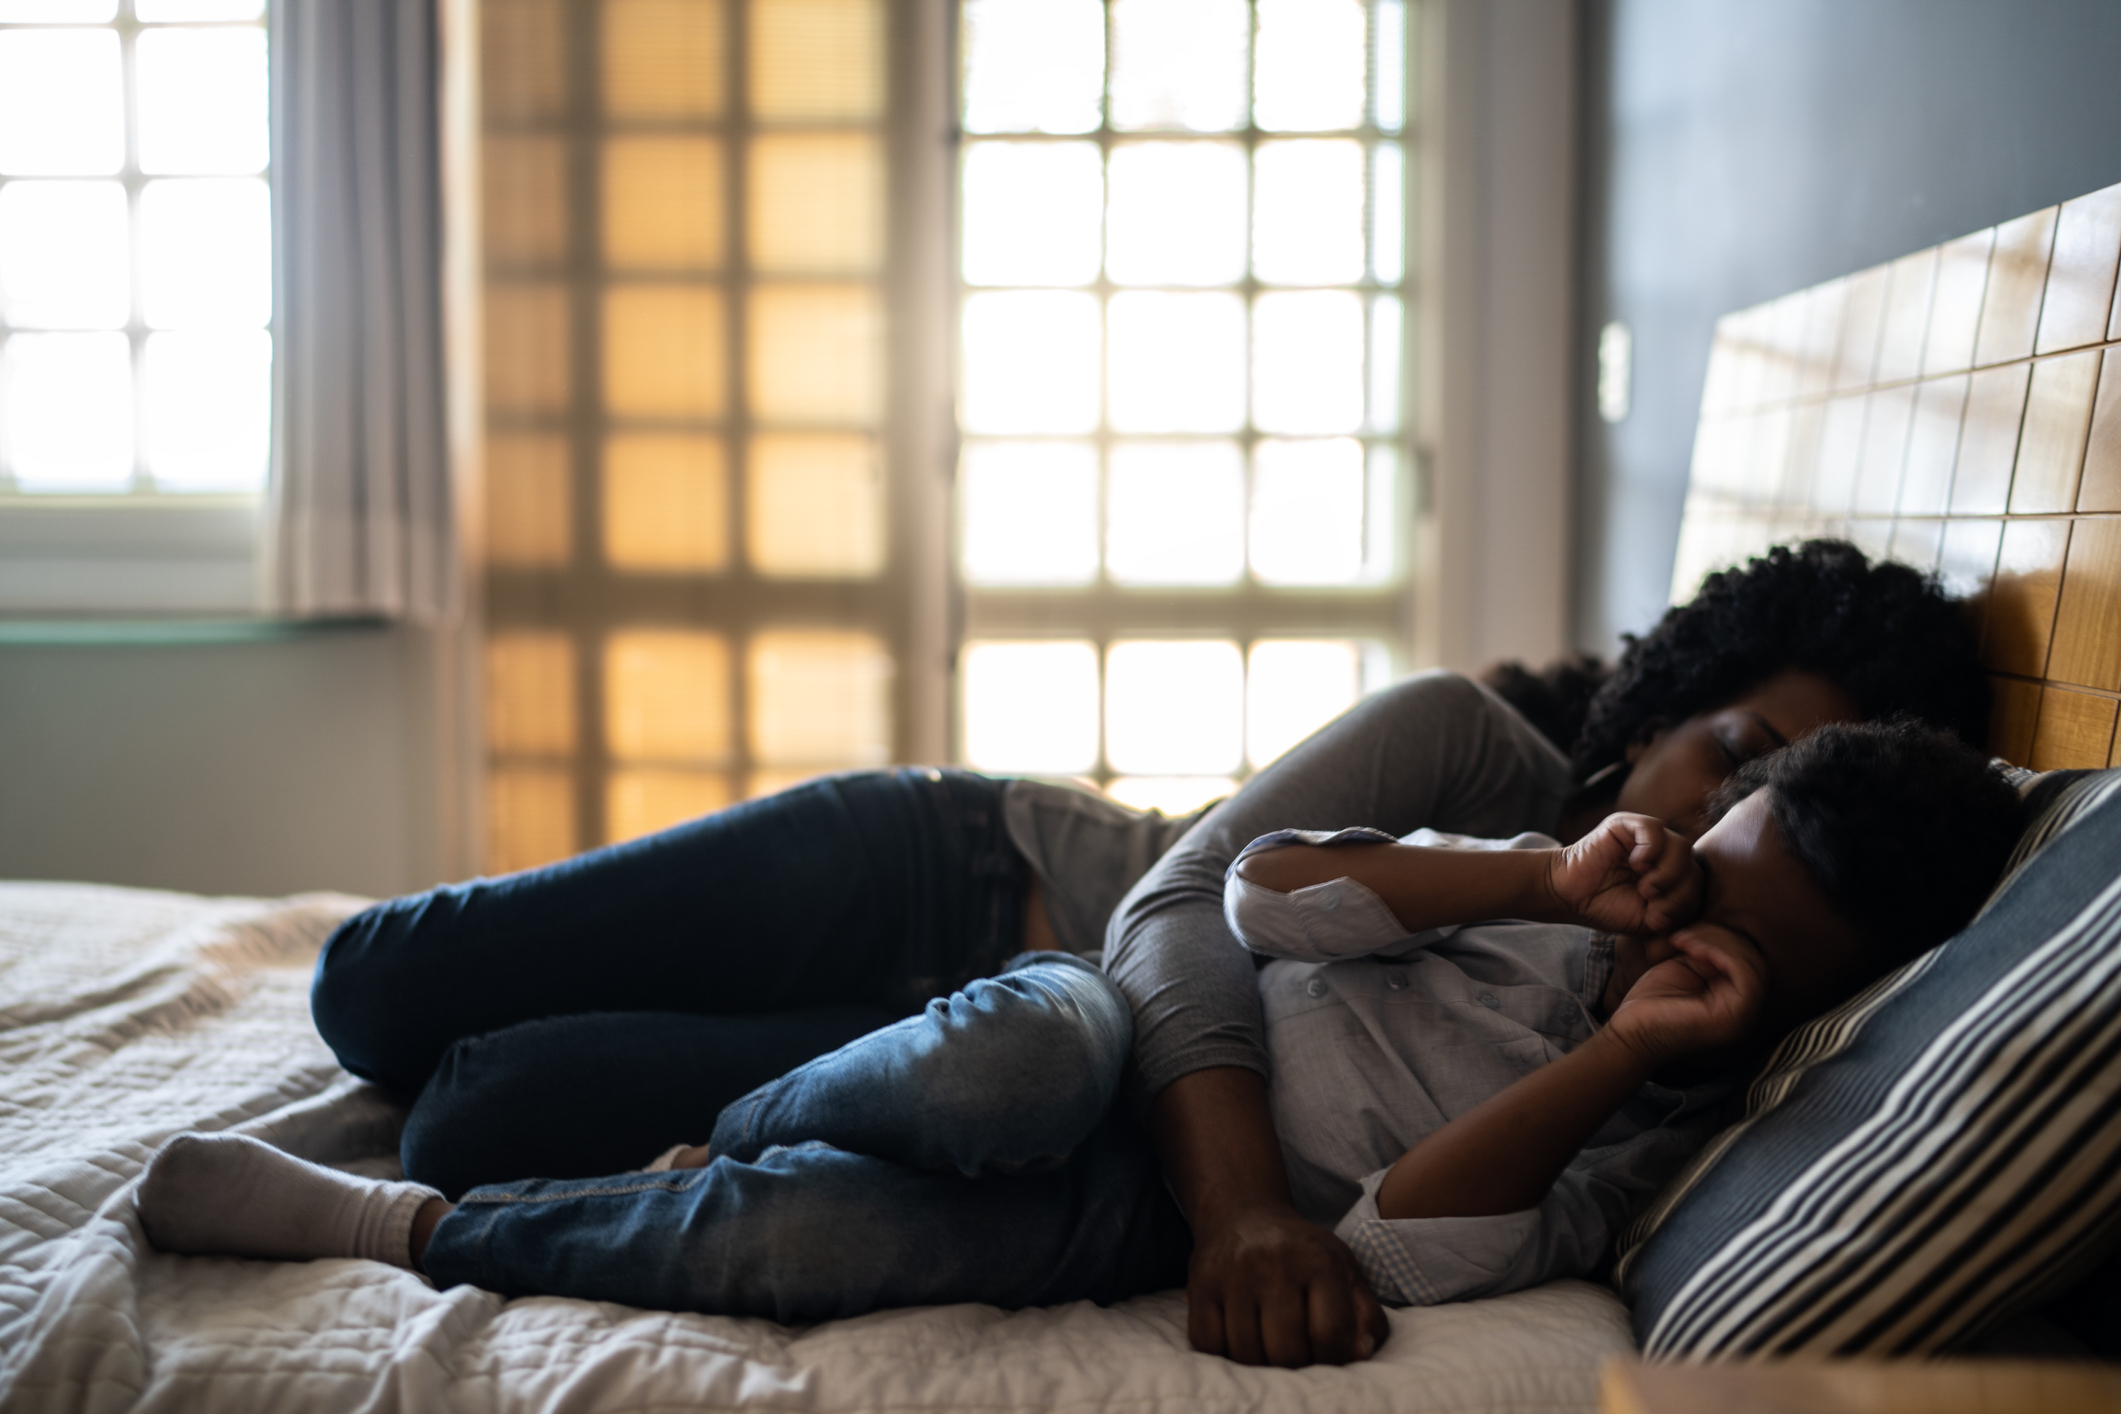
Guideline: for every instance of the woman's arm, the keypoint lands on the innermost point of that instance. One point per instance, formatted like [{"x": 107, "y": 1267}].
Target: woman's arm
[{"x": 1434, "y": 751}]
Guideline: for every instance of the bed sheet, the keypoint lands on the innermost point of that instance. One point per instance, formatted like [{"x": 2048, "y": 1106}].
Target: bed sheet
[{"x": 127, "y": 1016}]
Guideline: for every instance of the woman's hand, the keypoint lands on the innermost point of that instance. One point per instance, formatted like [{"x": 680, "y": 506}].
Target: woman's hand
[
  {"x": 1633, "y": 874},
  {"x": 1707, "y": 996}
]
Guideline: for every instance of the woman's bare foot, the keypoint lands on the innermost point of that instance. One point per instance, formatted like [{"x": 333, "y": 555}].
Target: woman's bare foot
[{"x": 692, "y": 1156}]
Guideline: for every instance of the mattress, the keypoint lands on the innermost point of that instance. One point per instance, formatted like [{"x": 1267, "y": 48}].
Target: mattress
[{"x": 127, "y": 1016}]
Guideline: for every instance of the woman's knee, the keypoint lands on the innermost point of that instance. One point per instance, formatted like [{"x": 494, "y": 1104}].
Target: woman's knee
[{"x": 368, "y": 981}]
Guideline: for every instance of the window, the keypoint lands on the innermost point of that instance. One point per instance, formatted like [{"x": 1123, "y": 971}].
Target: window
[
  {"x": 135, "y": 288},
  {"x": 1183, "y": 237},
  {"x": 694, "y": 592}
]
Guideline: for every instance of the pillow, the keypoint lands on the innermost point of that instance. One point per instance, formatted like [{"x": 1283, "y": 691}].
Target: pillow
[{"x": 1934, "y": 1155}]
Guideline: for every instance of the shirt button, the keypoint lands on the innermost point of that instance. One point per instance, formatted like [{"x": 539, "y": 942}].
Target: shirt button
[
  {"x": 1489, "y": 1000},
  {"x": 1396, "y": 980},
  {"x": 1316, "y": 987}
]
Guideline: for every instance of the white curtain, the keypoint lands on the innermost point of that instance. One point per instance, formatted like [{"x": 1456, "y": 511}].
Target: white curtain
[{"x": 361, "y": 518}]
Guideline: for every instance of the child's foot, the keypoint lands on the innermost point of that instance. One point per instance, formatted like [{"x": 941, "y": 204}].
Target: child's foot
[{"x": 235, "y": 1196}]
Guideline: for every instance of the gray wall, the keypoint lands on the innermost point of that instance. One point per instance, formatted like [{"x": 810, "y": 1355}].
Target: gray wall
[
  {"x": 230, "y": 766},
  {"x": 1736, "y": 150}
]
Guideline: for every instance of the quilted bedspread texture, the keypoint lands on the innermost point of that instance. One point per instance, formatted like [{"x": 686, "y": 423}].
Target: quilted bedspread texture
[{"x": 128, "y": 1016}]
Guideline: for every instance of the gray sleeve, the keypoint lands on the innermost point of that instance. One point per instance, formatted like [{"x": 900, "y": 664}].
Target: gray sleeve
[{"x": 1436, "y": 750}]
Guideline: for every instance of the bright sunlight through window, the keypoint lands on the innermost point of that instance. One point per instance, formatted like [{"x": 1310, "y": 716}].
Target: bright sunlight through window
[
  {"x": 1183, "y": 246},
  {"x": 135, "y": 247}
]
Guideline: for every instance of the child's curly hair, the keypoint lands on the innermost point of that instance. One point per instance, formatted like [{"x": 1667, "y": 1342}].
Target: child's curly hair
[{"x": 1885, "y": 634}]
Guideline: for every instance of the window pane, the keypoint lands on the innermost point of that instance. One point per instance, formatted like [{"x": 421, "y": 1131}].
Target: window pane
[
  {"x": 663, "y": 203},
  {"x": 1174, "y": 709},
  {"x": 638, "y": 802},
  {"x": 529, "y": 818},
  {"x": 156, "y": 10},
  {"x": 1033, "y": 66},
  {"x": 1030, "y": 362},
  {"x": 816, "y": 354},
  {"x": 1179, "y": 64},
  {"x": 1388, "y": 213},
  {"x": 1178, "y": 362},
  {"x": 666, "y": 503},
  {"x": 1391, "y": 65},
  {"x": 1292, "y": 688},
  {"x": 1031, "y": 213},
  {"x": 65, "y": 260},
  {"x": 820, "y": 698},
  {"x": 209, "y": 409},
  {"x": 66, "y": 411},
  {"x": 202, "y": 96},
  {"x": 1307, "y": 512},
  {"x": 1176, "y": 513},
  {"x": 663, "y": 58},
  {"x": 524, "y": 219},
  {"x": 666, "y": 696},
  {"x": 1177, "y": 214},
  {"x": 62, "y": 103},
  {"x": 1310, "y": 65},
  {"x": 1307, "y": 362},
  {"x": 816, "y": 204},
  {"x": 530, "y": 693},
  {"x": 817, "y": 58},
  {"x": 1173, "y": 795},
  {"x": 1307, "y": 213},
  {"x": 528, "y": 348},
  {"x": 665, "y": 351},
  {"x": 1386, "y": 337},
  {"x": 57, "y": 12},
  {"x": 815, "y": 506},
  {"x": 206, "y": 254},
  {"x": 529, "y": 513},
  {"x": 1031, "y": 708},
  {"x": 1030, "y": 513},
  {"x": 523, "y": 65}
]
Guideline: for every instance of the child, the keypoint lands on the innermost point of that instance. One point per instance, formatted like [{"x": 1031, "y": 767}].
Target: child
[{"x": 1479, "y": 1105}]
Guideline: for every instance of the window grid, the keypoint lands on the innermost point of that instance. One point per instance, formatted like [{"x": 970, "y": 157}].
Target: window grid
[
  {"x": 142, "y": 484},
  {"x": 1105, "y": 613}
]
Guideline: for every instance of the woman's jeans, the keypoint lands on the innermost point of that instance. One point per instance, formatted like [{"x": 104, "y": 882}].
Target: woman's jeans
[
  {"x": 970, "y": 1153},
  {"x": 579, "y": 1019}
]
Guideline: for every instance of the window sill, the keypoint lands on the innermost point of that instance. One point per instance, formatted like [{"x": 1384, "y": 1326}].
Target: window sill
[{"x": 190, "y": 557}]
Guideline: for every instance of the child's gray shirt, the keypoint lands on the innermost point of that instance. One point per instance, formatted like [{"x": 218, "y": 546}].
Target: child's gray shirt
[{"x": 1377, "y": 1037}]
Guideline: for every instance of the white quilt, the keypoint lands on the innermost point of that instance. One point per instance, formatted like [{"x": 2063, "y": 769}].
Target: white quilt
[{"x": 128, "y": 1016}]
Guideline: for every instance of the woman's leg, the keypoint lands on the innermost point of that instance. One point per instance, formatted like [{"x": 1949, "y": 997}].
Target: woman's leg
[
  {"x": 812, "y": 1233},
  {"x": 876, "y": 889},
  {"x": 577, "y": 1096}
]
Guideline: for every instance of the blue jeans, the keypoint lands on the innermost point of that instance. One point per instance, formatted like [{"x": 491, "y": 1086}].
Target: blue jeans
[
  {"x": 578, "y": 1019},
  {"x": 970, "y": 1153}
]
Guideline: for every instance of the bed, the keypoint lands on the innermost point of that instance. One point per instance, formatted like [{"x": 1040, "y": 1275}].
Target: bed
[{"x": 131, "y": 1015}]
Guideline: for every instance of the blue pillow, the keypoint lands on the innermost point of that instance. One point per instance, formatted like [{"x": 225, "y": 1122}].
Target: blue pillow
[{"x": 1931, "y": 1157}]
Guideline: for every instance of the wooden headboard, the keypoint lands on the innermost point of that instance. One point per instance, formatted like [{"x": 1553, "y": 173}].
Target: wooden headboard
[{"x": 1958, "y": 409}]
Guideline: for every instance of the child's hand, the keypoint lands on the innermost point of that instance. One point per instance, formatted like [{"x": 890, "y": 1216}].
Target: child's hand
[
  {"x": 1706, "y": 993},
  {"x": 1633, "y": 874}
]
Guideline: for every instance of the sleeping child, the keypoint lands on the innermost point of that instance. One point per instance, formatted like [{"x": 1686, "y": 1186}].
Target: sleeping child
[{"x": 1477, "y": 1106}]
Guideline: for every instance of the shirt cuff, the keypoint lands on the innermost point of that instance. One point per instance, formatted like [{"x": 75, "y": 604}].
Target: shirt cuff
[
  {"x": 1426, "y": 1261},
  {"x": 1319, "y": 923}
]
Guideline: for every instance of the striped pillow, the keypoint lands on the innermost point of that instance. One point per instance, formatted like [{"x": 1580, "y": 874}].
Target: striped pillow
[{"x": 1938, "y": 1153}]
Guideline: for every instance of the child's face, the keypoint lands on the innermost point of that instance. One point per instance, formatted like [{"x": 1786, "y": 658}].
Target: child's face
[{"x": 1758, "y": 894}]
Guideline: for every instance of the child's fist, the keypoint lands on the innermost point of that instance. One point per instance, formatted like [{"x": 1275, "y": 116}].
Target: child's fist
[
  {"x": 1704, "y": 993},
  {"x": 1632, "y": 874}
]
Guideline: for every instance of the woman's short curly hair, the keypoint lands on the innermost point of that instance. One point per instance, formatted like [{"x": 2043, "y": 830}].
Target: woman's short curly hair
[{"x": 1885, "y": 634}]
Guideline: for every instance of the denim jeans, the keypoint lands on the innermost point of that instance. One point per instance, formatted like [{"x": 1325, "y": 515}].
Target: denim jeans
[
  {"x": 970, "y": 1153},
  {"x": 578, "y": 1019}
]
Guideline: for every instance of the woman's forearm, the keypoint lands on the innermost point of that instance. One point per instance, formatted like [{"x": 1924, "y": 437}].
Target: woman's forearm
[
  {"x": 1424, "y": 888},
  {"x": 1503, "y": 1155}
]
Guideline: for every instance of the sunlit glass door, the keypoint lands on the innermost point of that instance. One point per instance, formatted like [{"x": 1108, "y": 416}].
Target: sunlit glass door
[{"x": 1182, "y": 376}]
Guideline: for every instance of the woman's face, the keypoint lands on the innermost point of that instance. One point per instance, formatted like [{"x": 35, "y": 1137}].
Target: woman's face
[{"x": 1674, "y": 772}]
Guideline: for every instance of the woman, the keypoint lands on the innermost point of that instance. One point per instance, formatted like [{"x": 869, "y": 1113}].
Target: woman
[{"x": 577, "y": 1019}]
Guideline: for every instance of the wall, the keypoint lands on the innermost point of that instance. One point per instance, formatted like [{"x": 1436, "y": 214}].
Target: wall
[
  {"x": 1737, "y": 151},
  {"x": 203, "y": 760}
]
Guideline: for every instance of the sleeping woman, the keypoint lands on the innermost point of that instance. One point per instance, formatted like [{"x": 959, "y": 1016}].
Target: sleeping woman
[{"x": 820, "y": 986}]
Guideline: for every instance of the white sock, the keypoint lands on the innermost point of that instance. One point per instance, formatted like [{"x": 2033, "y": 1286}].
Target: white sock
[{"x": 235, "y": 1196}]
